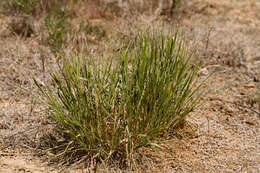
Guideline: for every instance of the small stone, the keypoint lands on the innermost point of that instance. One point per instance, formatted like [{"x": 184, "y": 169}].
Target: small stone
[{"x": 203, "y": 72}]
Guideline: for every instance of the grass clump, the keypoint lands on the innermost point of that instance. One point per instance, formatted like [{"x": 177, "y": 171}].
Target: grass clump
[{"x": 110, "y": 111}]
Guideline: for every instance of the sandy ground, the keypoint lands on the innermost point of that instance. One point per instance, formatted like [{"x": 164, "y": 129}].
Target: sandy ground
[{"x": 227, "y": 139}]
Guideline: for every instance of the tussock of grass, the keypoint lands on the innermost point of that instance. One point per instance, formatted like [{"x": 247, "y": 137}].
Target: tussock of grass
[{"x": 110, "y": 111}]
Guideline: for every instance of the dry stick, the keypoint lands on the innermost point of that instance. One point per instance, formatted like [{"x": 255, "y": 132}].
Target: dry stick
[
  {"x": 208, "y": 36},
  {"x": 237, "y": 104}
]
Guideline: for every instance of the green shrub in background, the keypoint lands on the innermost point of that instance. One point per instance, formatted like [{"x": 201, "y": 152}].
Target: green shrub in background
[
  {"x": 24, "y": 6},
  {"x": 57, "y": 27},
  {"x": 34, "y": 7},
  {"x": 110, "y": 111}
]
